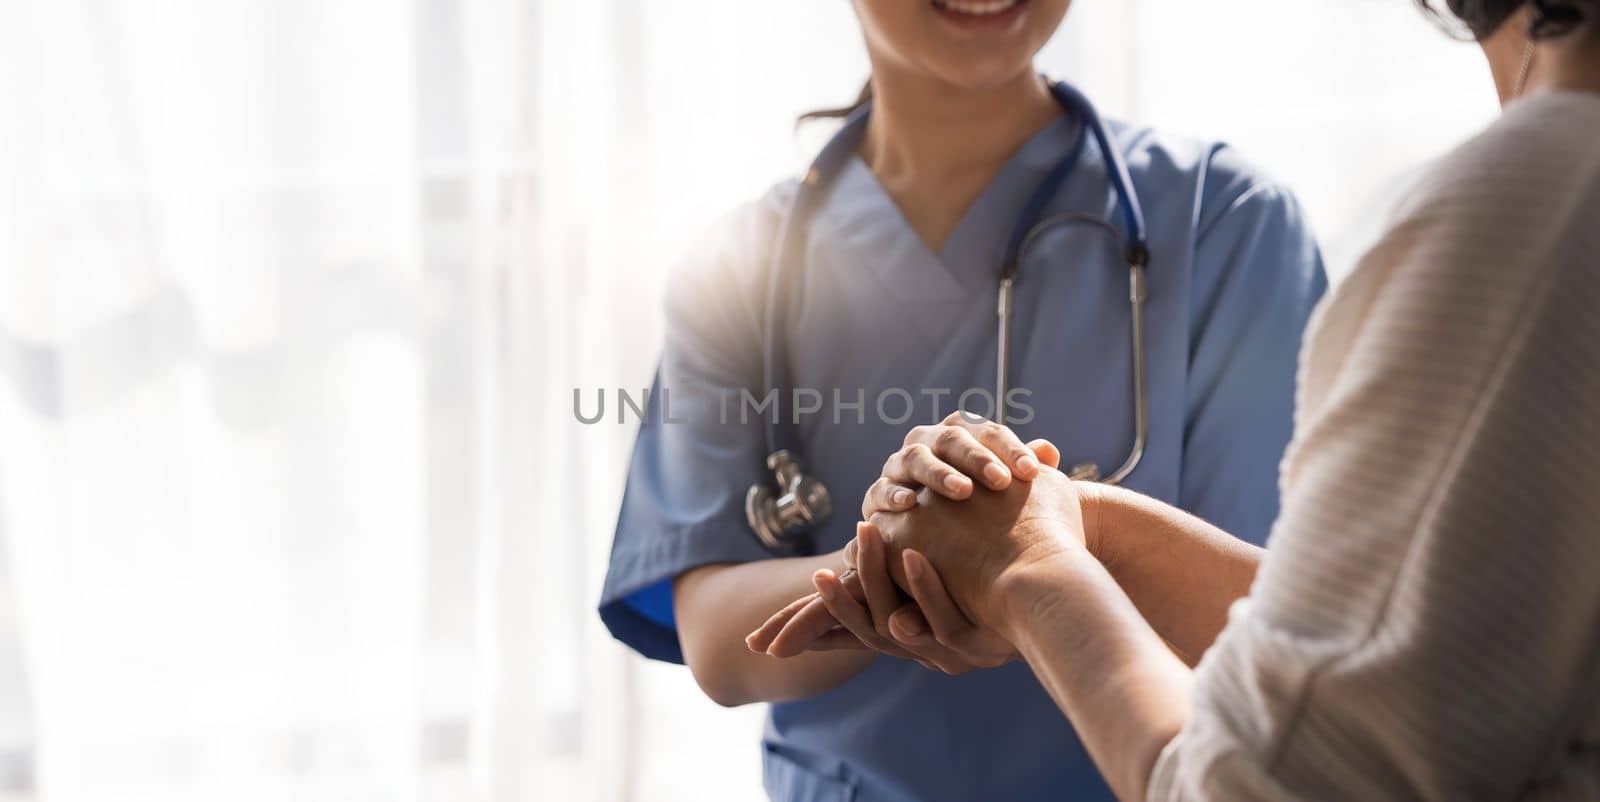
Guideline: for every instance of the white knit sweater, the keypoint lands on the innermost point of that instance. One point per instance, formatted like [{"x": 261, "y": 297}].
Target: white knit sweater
[{"x": 1426, "y": 624}]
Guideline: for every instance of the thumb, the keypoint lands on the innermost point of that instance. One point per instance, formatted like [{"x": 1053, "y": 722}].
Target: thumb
[{"x": 1047, "y": 452}]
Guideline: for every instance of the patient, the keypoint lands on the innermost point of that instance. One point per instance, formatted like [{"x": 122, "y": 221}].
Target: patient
[{"x": 1425, "y": 623}]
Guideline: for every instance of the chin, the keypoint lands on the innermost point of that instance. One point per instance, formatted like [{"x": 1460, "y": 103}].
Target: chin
[
  {"x": 979, "y": 51},
  {"x": 970, "y": 44},
  {"x": 988, "y": 73}
]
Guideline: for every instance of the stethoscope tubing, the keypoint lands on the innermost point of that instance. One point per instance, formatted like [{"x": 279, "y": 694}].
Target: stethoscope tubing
[
  {"x": 772, "y": 516},
  {"x": 780, "y": 431},
  {"x": 1137, "y": 293}
]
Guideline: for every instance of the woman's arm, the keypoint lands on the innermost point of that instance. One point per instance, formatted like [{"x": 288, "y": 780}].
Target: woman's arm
[
  {"x": 717, "y": 605},
  {"x": 1181, "y": 572},
  {"x": 1126, "y": 693},
  {"x": 1017, "y": 562},
  {"x": 687, "y": 579},
  {"x": 1425, "y": 627}
]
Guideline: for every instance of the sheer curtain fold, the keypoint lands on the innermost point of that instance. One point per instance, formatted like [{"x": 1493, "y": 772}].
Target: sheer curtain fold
[{"x": 257, "y": 287}]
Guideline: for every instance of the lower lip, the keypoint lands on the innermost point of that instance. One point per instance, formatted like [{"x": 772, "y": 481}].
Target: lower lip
[{"x": 982, "y": 22}]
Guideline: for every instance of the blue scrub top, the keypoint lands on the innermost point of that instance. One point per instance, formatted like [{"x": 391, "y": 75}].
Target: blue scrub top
[{"x": 1233, "y": 276}]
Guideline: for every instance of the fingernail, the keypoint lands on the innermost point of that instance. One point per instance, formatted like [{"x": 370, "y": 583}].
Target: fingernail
[
  {"x": 910, "y": 626},
  {"x": 995, "y": 474},
  {"x": 902, "y": 498},
  {"x": 826, "y": 589},
  {"x": 1028, "y": 464},
  {"x": 954, "y": 483},
  {"x": 913, "y": 567}
]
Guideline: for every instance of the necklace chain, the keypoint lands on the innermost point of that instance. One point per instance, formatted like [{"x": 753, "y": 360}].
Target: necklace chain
[{"x": 1522, "y": 72}]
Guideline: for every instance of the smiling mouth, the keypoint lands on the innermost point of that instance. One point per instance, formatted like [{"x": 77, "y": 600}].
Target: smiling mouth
[{"x": 976, "y": 8}]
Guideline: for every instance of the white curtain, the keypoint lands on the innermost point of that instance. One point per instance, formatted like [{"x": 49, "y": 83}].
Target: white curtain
[
  {"x": 265, "y": 266},
  {"x": 293, "y": 298}
]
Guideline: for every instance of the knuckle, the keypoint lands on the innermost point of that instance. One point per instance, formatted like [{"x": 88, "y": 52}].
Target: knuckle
[
  {"x": 949, "y": 436},
  {"x": 917, "y": 434},
  {"x": 971, "y": 420},
  {"x": 955, "y": 418},
  {"x": 917, "y": 454}
]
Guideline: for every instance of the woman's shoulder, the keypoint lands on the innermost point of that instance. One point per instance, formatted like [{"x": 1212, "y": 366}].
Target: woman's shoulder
[
  {"x": 1540, "y": 156},
  {"x": 1522, "y": 195},
  {"x": 1489, "y": 237},
  {"x": 1241, "y": 220},
  {"x": 724, "y": 271},
  {"x": 738, "y": 245},
  {"x": 1221, "y": 176}
]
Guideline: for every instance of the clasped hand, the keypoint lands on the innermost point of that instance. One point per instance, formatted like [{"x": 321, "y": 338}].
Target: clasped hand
[{"x": 963, "y": 505}]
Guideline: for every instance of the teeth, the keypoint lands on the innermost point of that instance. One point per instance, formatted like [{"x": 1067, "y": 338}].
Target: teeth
[{"x": 977, "y": 8}]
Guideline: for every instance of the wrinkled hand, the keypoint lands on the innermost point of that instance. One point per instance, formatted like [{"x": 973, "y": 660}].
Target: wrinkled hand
[
  {"x": 977, "y": 542},
  {"x": 950, "y": 459}
]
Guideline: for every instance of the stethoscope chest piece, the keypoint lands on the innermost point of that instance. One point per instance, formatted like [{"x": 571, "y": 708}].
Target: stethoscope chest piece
[{"x": 781, "y": 513}]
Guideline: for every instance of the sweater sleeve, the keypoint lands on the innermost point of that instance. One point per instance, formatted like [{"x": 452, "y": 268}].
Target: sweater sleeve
[{"x": 1424, "y": 624}]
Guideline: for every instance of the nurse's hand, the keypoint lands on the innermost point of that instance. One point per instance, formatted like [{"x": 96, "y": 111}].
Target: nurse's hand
[
  {"x": 948, "y": 457},
  {"x": 825, "y": 633},
  {"x": 864, "y": 610}
]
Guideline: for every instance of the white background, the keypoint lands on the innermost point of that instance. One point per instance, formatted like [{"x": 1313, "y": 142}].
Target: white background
[{"x": 293, "y": 297}]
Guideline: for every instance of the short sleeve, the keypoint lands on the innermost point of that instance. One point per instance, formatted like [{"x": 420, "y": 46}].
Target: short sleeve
[
  {"x": 1257, "y": 276},
  {"x": 698, "y": 446}
]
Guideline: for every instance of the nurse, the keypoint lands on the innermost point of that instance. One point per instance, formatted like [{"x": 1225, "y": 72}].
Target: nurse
[{"x": 891, "y": 322}]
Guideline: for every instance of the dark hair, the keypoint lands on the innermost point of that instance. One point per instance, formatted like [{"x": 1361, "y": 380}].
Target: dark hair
[
  {"x": 1551, "y": 18},
  {"x": 842, "y": 111}
]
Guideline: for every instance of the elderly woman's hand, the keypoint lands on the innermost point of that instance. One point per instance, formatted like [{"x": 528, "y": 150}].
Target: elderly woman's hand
[
  {"x": 976, "y": 543},
  {"x": 863, "y": 609},
  {"x": 950, "y": 622}
]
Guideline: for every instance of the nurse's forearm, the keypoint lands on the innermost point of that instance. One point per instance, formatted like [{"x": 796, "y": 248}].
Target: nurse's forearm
[
  {"x": 718, "y": 605},
  {"x": 1181, "y": 572}
]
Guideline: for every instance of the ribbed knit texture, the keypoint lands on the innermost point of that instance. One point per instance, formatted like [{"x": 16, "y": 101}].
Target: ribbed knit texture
[{"x": 1426, "y": 624}]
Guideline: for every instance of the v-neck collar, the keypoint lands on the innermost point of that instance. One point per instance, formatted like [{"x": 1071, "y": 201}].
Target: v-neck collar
[
  {"x": 974, "y": 249},
  {"x": 970, "y": 258}
]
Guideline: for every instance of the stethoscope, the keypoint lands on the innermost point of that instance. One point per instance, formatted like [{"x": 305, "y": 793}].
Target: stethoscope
[{"x": 782, "y": 512}]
